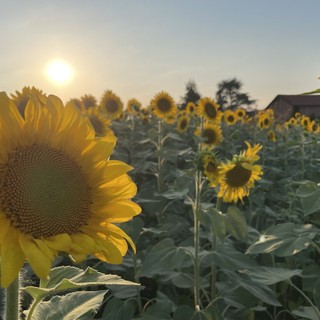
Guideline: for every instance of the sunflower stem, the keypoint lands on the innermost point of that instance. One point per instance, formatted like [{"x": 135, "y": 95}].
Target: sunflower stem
[
  {"x": 160, "y": 143},
  {"x": 197, "y": 240},
  {"x": 213, "y": 266},
  {"x": 12, "y": 301}
]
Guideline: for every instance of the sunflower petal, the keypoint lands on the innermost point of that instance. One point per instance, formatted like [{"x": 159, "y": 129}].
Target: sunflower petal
[
  {"x": 38, "y": 260},
  {"x": 12, "y": 258}
]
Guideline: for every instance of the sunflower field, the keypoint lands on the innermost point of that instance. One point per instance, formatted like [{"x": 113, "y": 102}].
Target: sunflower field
[{"x": 120, "y": 212}]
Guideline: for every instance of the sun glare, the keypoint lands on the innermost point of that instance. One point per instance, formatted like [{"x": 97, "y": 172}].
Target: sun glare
[{"x": 59, "y": 72}]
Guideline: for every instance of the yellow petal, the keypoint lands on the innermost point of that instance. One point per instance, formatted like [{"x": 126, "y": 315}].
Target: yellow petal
[
  {"x": 38, "y": 260},
  {"x": 12, "y": 258},
  {"x": 117, "y": 212},
  {"x": 60, "y": 242}
]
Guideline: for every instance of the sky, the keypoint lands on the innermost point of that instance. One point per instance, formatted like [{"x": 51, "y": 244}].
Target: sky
[{"x": 137, "y": 48}]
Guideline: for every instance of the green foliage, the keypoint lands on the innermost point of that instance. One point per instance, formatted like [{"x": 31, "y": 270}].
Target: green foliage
[{"x": 258, "y": 259}]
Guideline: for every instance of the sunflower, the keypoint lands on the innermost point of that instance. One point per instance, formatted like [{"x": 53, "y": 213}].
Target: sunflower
[
  {"x": 183, "y": 124},
  {"x": 305, "y": 121},
  {"x": 208, "y": 108},
  {"x": 239, "y": 175},
  {"x": 76, "y": 103},
  {"x": 241, "y": 113},
  {"x": 88, "y": 101},
  {"x": 133, "y": 106},
  {"x": 100, "y": 124},
  {"x": 58, "y": 194},
  {"x": 230, "y": 117},
  {"x": 22, "y": 98},
  {"x": 191, "y": 108},
  {"x": 211, "y": 133},
  {"x": 111, "y": 105},
  {"x": 163, "y": 105},
  {"x": 145, "y": 115},
  {"x": 211, "y": 169},
  {"x": 271, "y": 136}
]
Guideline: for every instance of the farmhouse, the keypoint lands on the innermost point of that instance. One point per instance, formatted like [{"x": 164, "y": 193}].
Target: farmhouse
[{"x": 285, "y": 106}]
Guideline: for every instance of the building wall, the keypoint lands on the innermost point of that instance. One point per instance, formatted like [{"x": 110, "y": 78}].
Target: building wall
[
  {"x": 282, "y": 110},
  {"x": 312, "y": 112}
]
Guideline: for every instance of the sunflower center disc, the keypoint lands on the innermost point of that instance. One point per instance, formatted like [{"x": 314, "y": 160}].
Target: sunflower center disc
[
  {"x": 210, "y": 135},
  {"x": 164, "y": 105},
  {"x": 44, "y": 192},
  {"x": 210, "y": 110},
  {"x": 112, "y": 106},
  {"x": 97, "y": 125},
  {"x": 183, "y": 124},
  {"x": 211, "y": 167},
  {"x": 238, "y": 176}
]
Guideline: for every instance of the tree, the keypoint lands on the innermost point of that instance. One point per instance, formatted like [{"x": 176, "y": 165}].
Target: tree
[
  {"x": 229, "y": 96},
  {"x": 191, "y": 95}
]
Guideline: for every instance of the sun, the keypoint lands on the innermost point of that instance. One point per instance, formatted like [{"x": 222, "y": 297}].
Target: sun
[{"x": 59, "y": 72}]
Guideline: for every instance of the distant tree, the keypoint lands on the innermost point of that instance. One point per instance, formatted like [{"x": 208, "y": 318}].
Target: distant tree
[
  {"x": 229, "y": 95},
  {"x": 191, "y": 95}
]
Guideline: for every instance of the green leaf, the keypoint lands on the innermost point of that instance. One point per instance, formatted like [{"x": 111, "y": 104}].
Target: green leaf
[
  {"x": 269, "y": 276},
  {"x": 117, "y": 309},
  {"x": 232, "y": 261},
  {"x": 309, "y": 194},
  {"x": 174, "y": 194},
  {"x": 216, "y": 220},
  {"x": 163, "y": 257},
  {"x": 236, "y": 223},
  {"x": 68, "y": 278},
  {"x": 285, "y": 239},
  {"x": 183, "y": 312},
  {"x": 81, "y": 305},
  {"x": 306, "y": 313},
  {"x": 262, "y": 292}
]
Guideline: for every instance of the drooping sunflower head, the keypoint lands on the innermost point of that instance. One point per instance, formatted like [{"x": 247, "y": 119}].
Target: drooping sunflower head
[
  {"x": 183, "y": 124},
  {"x": 22, "y": 98},
  {"x": 133, "y": 106},
  {"x": 100, "y": 124},
  {"x": 239, "y": 175},
  {"x": 209, "y": 109},
  {"x": 111, "y": 105},
  {"x": 58, "y": 190},
  {"x": 230, "y": 117},
  {"x": 211, "y": 133},
  {"x": 88, "y": 101},
  {"x": 163, "y": 105}
]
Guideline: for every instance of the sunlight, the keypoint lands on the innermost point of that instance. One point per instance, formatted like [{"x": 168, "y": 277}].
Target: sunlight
[{"x": 59, "y": 72}]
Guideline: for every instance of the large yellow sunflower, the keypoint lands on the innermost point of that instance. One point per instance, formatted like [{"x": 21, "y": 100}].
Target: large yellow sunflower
[
  {"x": 239, "y": 175},
  {"x": 163, "y": 105},
  {"x": 209, "y": 109},
  {"x": 111, "y": 105},
  {"x": 211, "y": 133},
  {"x": 58, "y": 190}
]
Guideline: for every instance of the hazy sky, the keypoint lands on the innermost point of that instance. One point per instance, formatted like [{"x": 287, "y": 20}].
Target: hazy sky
[{"x": 137, "y": 48}]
